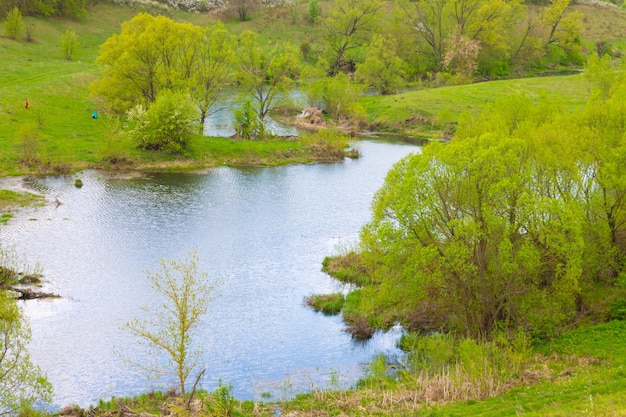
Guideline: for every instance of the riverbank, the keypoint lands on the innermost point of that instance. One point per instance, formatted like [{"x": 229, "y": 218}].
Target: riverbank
[{"x": 578, "y": 374}]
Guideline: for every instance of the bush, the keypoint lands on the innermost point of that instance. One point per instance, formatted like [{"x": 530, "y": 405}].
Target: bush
[
  {"x": 69, "y": 44},
  {"x": 14, "y": 25},
  {"x": 166, "y": 125},
  {"x": 248, "y": 124},
  {"x": 315, "y": 11}
]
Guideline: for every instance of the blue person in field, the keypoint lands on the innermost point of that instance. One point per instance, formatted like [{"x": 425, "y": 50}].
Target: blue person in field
[{"x": 94, "y": 115}]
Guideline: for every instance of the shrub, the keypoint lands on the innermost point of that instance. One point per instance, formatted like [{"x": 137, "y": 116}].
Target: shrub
[
  {"x": 314, "y": 12},
  {"x": 69, "y": 44},
  {"x": 248, "y": 124},
  {"x": 166, "y": 125},
  {"x": 14, "y": 25}
]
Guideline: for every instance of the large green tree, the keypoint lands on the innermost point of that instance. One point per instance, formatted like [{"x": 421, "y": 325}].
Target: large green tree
[
  {"x": 266, "y": 72},
  {"x": 483, "y": 232},
  {"x": 149, "y": 55},
  {"x": 349, "y": 25}
]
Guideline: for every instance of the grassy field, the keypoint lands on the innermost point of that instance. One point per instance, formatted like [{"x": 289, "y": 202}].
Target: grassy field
[{"x": 415, "y": 112}]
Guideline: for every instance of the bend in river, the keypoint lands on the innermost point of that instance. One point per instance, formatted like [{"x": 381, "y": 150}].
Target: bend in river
[{"x": 264, "y": 230}]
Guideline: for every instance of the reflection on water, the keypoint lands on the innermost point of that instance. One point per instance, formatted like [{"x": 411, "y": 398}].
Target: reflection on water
[
  {"x": 264, "y": 230},
  {"x": 222, "y": 121}
]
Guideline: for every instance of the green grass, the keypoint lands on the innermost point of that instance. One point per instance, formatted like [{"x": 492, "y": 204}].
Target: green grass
[
  {"x": 419, "y": 110},
  {"x": 328, "y": 304},
  {"x": 594, "y": 386}
]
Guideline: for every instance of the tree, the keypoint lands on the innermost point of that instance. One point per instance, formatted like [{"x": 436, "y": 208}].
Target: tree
[
  {"x": 213, "y": 69},
  {"x": 349, "y": 25},
  {"x": 481, "y": 232},
  {"x": 314, "y": 11},
  {"x": 244, "y": 8},
  {"x": 21, "y": 382},
  {"x": 170, "y": 327},
  {"x": 14, "y": 25},
  {"x": 425, "y": 19},
  {"x": 337, "y": 95},
  {"x": 266, "y": 72},
  {"x": 382, "y": 69},
  {"x": 461, "y": 55},
  {"x": 149, "y": 55},
  {"x": 166, "y": 125},
  {"x": 546, "y": 31},
  {"x": 69, "y": 44}
]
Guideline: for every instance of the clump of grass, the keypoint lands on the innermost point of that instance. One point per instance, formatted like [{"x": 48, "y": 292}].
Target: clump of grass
[
  {"x": 348, "y": 268},
  {"x": 328, "y": 145},
  {"x": 328, "y": 304},
  {"x": 5, "y": 217},
  {"x": 150, "y": 402}
]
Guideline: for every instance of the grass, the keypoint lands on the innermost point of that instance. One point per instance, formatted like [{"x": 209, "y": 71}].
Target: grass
[
  {"x": 327, "y": 304},
  {"x": 429, "y": 110},
  {"x": 11, "y": 201}
]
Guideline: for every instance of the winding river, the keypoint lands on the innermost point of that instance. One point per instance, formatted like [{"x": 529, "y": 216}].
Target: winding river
[{"x": 265, "y": 231}]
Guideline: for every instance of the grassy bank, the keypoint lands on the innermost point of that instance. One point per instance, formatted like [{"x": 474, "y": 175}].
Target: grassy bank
[
  {"x": 435, "y": 111},
  {"x": 580, "y": 373}
]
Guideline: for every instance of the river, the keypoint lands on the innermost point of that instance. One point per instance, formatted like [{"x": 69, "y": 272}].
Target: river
[{"x": 265, "y": 231}]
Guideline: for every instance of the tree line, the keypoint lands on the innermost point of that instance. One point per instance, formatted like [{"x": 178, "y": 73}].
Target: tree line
[{"x": 362, "y": 43}]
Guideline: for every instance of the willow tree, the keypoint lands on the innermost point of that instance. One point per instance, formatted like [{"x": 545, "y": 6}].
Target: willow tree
[
  {"x": 152, "y": 54},
  {"x": 212, "y": 70},
  {"x": 481, "y": 232},
  {"x": 266, "y": 72},
  {"x": 349, "y": 25}
]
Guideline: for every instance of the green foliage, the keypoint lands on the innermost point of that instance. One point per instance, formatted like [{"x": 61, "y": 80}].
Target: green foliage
[
  {"x": 337, "y": 95},
  {"x": 248, "y": 125},
  {"x": 382, "y": 69},
  {"x": 170, "y": 326},
  {"x": 348, "y": 26},
  {"x": 69, "y": 44},
  {"x": 212, "y": 70},
  {"x": 220, "y": 402},
  {"x": 267, "y": 74},
  {"x": 348, "y": 268},
  {"x": 166, "y": 125},
  {"x": 22, "y": 383},
  {"x": 14, "y": 25},
  {"x": 314, "y": 11},
  {"x": 498, "y": 221},
  {"x": 601, "y": 75},
  {"x": 152, "y": 54}
]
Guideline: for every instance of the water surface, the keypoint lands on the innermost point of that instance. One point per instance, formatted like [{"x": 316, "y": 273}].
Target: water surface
[{"x": 264, "y": 230}]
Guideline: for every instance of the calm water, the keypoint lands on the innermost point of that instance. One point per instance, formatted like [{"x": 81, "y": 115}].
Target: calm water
[{"x": 265, "y": 231}]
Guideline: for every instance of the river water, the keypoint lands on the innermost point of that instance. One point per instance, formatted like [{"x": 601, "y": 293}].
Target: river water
[{"x": 265, "y": 231}]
